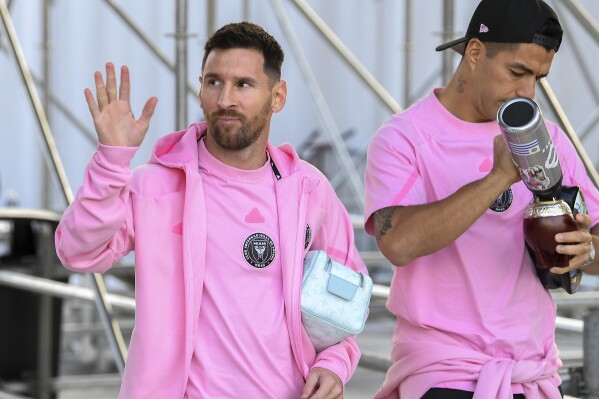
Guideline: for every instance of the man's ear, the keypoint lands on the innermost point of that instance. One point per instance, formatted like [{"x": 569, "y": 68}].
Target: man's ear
[
  {"x": 473, "y": 53},
  {"x": 279, "y": 95}
]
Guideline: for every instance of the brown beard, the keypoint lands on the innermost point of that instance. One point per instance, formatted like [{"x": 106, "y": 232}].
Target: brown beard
[{"x": 247, "y": 134}]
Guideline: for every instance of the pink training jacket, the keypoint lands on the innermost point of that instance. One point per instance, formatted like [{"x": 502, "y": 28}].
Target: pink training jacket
[{"x": 157, "y": 211}]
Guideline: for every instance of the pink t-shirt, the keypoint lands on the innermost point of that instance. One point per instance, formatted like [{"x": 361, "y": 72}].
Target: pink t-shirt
[
  {"x": 243, "y": 347},
  {"x": 481, "y": 292}
]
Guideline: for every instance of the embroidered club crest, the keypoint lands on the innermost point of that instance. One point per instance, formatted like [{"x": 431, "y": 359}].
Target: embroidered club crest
[
  {"x": 503, "y": 202},
  {"x": 259, "y": 250}
]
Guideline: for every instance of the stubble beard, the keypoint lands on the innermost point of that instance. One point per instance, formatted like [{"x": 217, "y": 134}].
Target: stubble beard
[{"x": 247, "y": 134}]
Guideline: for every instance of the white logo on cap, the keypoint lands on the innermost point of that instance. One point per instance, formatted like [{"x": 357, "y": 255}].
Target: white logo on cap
[{"x": 483, "y": 29}]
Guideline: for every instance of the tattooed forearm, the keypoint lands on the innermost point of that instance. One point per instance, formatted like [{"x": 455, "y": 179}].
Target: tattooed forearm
[{"x": 382, "y": 221}]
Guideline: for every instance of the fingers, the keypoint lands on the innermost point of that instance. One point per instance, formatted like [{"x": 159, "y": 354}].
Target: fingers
[
  {"x": 110, "y": 82},
  {"x": 584, "y": 221},
  {"x": 107, "y": 93},
  {"x": 91, "y": 103},
  {"x": 148, "y": 110},
  {"x": 322, "y": 384},
  {"x": 582, "y": 248},
  {"x": 576, "y": 244},
  {"x": 560, "y": 270},
  {"x": 125, "y": 87},
  {"x": 310, "y": 386},
  {"x": 582, "y": 235},
  {"x": 100, "y": 91}
]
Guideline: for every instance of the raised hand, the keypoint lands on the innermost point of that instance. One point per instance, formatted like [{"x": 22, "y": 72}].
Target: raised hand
[{"x": 113, "y": 118}]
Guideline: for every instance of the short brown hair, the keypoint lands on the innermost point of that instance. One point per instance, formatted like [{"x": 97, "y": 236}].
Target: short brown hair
[{"x": 248, "y": 35}]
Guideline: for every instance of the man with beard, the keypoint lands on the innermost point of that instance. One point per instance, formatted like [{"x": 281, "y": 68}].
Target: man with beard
[{"x": 220, "y": 221}]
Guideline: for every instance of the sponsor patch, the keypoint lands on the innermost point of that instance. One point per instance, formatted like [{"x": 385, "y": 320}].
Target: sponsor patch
[{"x": 259, "y": 250}]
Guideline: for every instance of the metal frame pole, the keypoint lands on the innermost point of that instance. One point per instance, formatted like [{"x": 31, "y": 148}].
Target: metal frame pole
[
  {"x": 210, "y": 17},
  {"x": 584, "y": 17},
  {"x": 145, "y": 38},
  {"x": 590, "y": 344},
  {"x": 181, "y": 65},
  {"x": 113, "y": 331},
  {"x": 35, "y": 102},
  {"x": 563, "y": 118},
  {"x": 45, "y": 354},
  {"x": 324, "y": 112},
  {"x": 46, "y": 6},
  {"x": 574, "y": 45},
  {"x": 448, "y": 33},
  {"x": 347, "y": 55},
  {"x": 67, "y": 113},
  {"x": 407, "y": 87},
  {"x": 246, "y": 10},
  {"x": 60, "y": 290}
]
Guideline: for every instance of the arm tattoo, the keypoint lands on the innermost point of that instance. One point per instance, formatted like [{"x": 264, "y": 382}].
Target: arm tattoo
[{"x": 382, "y": 221}]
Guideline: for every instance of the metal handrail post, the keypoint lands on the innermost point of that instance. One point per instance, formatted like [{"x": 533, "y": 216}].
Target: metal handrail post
[
  {"x": 68, "y": 114},
  {"x": 348, "y": 56},
  {"x": 46, "y": 84},
  {"x": 145, "y": 38},
  {"x": 584, "y": 17},
  {"x": 407, "y": 63},
  {"x": 57, "y": 289},
  {"x": 324, "y": 112},
  {"x": 448, "y": 34},
  {"x": 113, "y": 331},
  {"x": 35, "y": 102},
  {"x": 579, "y": 61},
  {"x": 590, "y": 345},
  {"x": 181, "y": 65},
  {"x": 45, "y": 354},
  {"x": 210, "y": 17},
  {"x": 569, "y": 129}
]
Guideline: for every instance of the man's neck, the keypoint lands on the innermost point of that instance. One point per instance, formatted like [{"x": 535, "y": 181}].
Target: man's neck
[{"x": 250, "y": 158}]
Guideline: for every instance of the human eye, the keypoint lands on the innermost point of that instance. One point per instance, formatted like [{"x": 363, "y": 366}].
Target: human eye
[
  {"x": 213, "y": 82},
  {"x": 243, "y": 84},
  {"x": 516, "y": 74}
]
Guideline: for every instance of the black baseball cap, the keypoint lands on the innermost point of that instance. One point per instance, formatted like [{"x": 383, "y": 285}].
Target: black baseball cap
[{"x": 508, "y": 21}]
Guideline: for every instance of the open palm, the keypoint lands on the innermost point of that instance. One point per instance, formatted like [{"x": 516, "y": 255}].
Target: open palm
[{"x": 113, "y": 117}]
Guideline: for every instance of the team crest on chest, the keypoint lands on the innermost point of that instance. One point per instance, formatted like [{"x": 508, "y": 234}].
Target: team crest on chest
[
  {"x": 503, "y": 202},
  {"x": 259, "y": 250}
]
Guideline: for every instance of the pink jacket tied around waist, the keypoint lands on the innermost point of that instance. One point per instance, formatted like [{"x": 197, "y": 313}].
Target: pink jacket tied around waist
[{"x": 495, "y": 375}]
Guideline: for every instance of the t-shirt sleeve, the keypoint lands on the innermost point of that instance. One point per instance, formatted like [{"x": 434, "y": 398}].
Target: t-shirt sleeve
[
  {"x": 392, "y": 176},
  {"x": 574, "y": 171}
]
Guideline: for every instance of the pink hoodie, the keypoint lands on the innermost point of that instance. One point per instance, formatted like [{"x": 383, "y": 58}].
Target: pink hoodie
[{"x": 157, "y": 211}]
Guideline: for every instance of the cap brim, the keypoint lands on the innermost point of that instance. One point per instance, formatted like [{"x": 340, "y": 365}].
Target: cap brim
[{"x": 457, "y": 45}]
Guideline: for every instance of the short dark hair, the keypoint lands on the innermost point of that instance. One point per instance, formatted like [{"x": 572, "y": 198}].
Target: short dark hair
[{"x": 248, "y": 35}]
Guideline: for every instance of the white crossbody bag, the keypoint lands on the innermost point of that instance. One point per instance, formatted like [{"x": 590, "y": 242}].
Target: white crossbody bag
[{"x": 335, "y": 300}]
